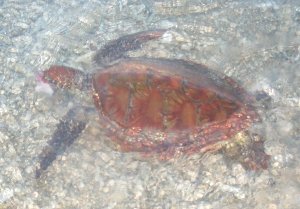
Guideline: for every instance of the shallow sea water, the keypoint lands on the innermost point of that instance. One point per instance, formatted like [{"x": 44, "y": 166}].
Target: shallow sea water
[{"x": 255, "y": 42}]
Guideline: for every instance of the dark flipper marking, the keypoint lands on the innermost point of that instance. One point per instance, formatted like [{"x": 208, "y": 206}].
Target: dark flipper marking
[
  {"x": 68, "y": 130},
  {"x": 116, "y": 49}
]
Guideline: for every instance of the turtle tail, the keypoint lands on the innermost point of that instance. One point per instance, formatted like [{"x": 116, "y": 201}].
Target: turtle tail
[{"x": 66, "y": 77}]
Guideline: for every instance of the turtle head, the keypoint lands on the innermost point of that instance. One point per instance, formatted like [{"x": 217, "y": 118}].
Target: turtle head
[
  {"x": 60, "y": 76},
  {"x": 64, "y": 77}
]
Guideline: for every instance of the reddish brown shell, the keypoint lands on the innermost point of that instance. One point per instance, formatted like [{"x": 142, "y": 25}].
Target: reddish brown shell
[{"x": 169, "y": 106}]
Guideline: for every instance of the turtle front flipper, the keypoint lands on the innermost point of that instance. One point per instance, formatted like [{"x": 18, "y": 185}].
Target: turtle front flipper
[
  {"x": 68, "y": 130},
  {"x": 116, "y": 49}
]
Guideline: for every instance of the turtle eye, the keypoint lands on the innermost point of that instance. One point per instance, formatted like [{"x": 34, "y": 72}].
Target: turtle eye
[{"x": 53, "y": 74}]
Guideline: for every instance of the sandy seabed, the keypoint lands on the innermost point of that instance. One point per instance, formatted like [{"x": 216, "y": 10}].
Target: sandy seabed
[{"x": 255, "y": 42}]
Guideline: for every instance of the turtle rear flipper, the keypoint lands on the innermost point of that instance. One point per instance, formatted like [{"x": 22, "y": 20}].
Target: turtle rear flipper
[
  {"x": 68, "y": 130},
  {"x": 116, "y": 49},
  {"x": 248, "y": 149}
]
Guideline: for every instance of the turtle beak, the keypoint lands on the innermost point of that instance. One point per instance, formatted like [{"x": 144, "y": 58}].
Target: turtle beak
[{"x": 42, "y": 85}]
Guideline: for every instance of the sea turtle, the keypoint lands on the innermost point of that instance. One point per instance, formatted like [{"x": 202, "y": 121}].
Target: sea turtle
[{"x": 158, "y": 106}]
